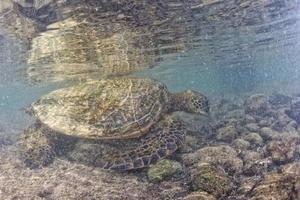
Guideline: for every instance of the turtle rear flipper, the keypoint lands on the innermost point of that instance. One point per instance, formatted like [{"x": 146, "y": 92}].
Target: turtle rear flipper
[{"x": 162, "y": 141}]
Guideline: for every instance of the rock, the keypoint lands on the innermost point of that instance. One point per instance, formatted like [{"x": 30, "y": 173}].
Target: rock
[
  {"x": 36, "y": 149},
  {"x": 247, "y": 185},
  {"x": 253, "y": 127},
  {"x": 227, "y": 134},
  {"x": 280, "y": 99},
  {"x": 264, "y": 123},
  {"x": 87, "y": 153},
  {"x": 163, "y": 169},
  {"x": 294, "y": 111},
  {"x": 39, "y": 145},
  {"x": 253, "y": 138},
  {"x": 211, "y": 180},
  {"x": 236, "y": 114},
  {"x": 191, "y": 143},
  {"x": 223, "y": 156},
  {"x": 257, "y": 105},
  {"x": 267, "y": 133},
  {"x": 249, "y": 119},
  {"x": 251, "y": 163},
  {"x": 5, "y": 140},
  {"x": 279, "y": 186},
  {"x": 199, "y": 196},
  {"x": 170, "y": 189},
  {"x": 241, "y": 144},
  {"x": 70, "y": 180},
  {"x": 282, "y": 122},
  {"x": 284, "y": 149}
]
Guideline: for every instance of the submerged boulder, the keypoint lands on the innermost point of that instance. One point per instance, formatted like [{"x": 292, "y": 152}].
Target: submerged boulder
[
  {"x": 199, "y": 196},
  {"x": 280, "y": 99},
  {"x": 279, "y": 185},
  {"x": 253, "y": 138},
  {"x": 35, "y": 148},
  {"x": 294, "y": 111},
  {"x": 241, "y": 144},
  {"x": 257, "y": 105},
  {"x": 163, "y": 169},
  {"x": 223, "y": 156},
  {"x": 284, "y": 149},
  {"x": 210, "y": 179},
  {"x": 227, "y": 134}
]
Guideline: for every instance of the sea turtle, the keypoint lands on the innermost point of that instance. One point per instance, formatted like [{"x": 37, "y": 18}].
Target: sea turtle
[{"x": 120, "y": 109}]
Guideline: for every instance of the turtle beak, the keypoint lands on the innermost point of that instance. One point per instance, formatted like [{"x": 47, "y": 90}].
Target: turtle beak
[{"x": 204, "y": 113}]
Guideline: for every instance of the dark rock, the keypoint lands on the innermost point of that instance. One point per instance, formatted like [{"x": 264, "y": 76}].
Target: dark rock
[
  {"x": 163, "y": 169},
  {"x": 257, "y": 105},
  {"x": 249, "y": 119},
  {"x": 39, "y": 145},
  {"x": 207, "y": 178},
  {"x": 253, "y": 127},
  {"x": 36, "y": 148},
  {"x": 264, "y": 123},
  {"x": 284, "y": 149},
  {"x": 279, "y": 186},
  {"x": 254, "y": 163},
  {"x": 226, "y": 134},
  {"x": 199, "y": 196},
  {"x": 241, "y": 144},
  {"x": 253, "y": 139},
  {"x": 267, "y": 133},
  {"x": 280, "y": 99},
  {"x": 294, "y": 111},
  {"x": 223, "y": 156},
  {"x": 283, "y": 122}
]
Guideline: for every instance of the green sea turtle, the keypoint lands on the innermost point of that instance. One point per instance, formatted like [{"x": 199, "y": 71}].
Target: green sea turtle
[{"x": 112, "y": 110}]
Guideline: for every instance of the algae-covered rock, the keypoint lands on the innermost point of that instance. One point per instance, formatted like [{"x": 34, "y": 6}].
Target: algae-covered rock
[
  {"x": 284, "y": 149},
  {"x": 5, "y": 140},
  {"x": 294, "y": 111},
  {"x": 253, "y": 127},
  {"x": 279, "y": 185},
  {"x": 64, "y": 180},
  {"x": 257, "y": 104},
  {"x": 280, "y": 99},
  {"x": 241, "y": 144},
  {"x": 38, "y": 146},
  {"x": 223, "y": 156},
  {"x": 267, "y": 133},
  {"x": 253, "y": 138},
  {"x": 207, "y": 178},
  {"x": 227, "y": 133},
  {"x": 163, "y": 169},
  {"x": 283, "y": 122},
  {"x": 253, "y": 164},
  {"x": 87, "y": 152},
  {"x": 249, "y": 119},
  {"x": 199, "y": 196},
  {"x": 35, "y": 148}
]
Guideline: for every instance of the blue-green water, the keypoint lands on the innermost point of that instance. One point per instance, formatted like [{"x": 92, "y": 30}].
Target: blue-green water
[
  {"x": 243, "y": 55},
  {"x": 218, "y": 58}
]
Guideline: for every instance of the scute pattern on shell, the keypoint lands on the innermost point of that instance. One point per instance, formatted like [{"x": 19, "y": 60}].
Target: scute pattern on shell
[{"x": 105, "y": 109}]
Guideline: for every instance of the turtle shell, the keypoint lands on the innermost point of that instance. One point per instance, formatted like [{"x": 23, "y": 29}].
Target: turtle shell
[{"x": 105, "y": 109}]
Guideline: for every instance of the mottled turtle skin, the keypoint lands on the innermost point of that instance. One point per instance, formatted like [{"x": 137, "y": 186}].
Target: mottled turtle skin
[{"x": 120, "y": 109}]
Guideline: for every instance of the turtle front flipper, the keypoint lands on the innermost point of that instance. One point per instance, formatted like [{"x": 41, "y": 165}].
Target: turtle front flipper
[{"x": 162, "y": 141}]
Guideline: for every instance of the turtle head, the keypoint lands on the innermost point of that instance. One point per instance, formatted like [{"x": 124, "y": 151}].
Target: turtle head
[{"x": 191, "y": 101}]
